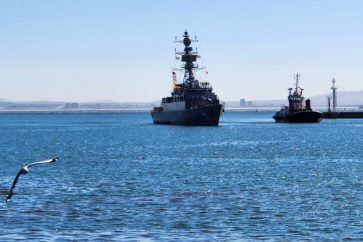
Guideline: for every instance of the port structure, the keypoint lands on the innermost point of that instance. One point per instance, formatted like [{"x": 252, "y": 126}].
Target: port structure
[
  {"x": 334, "y": 88},
  {"x": 329, "y": 102}
]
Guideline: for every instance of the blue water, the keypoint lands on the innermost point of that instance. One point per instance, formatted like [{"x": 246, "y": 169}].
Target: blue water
[{"x": 120, "y": 177}]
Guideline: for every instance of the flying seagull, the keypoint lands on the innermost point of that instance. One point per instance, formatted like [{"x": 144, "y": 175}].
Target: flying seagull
[{"x": 24, "y": 171}]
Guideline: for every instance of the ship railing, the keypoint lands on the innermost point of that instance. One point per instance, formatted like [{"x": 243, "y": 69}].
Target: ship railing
[
  {"x": 158, "y": 109},
  {"x": 172, "y": 99},
  {"x": 202, "y": 104},
  {"x": 204, "y": 85}
]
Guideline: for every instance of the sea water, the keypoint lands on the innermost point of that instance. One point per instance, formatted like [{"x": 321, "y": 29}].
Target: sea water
[{"x": 120, "y": 177}]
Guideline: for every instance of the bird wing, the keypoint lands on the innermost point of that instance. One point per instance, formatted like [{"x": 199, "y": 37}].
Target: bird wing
[
  {"x": 42, "y": 162},
  {"x": 11, "y": 192}
]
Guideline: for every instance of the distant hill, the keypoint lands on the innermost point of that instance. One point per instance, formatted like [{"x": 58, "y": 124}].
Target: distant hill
[
  {"x": 49, "y": 105},
  {"x": 116, "y": 105},
  {"x": 4, "y": 104},
  {"x": 344, "y": 99},
  {"x": 353, "y": 98}
]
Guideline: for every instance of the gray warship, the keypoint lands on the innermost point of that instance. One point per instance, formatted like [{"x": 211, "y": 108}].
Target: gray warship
[{"x": 191, "y": 102}]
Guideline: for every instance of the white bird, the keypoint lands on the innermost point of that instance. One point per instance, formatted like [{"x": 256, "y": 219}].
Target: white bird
[{"x": 24, "y": 170}]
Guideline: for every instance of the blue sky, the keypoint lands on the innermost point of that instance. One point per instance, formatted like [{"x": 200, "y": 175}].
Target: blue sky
[{"x": 123, "y": 51}]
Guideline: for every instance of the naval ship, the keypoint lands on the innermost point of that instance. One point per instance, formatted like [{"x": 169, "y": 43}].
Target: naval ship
[
  {"x": 191, "y": 102},
  {"x": 297, "y": 112}
]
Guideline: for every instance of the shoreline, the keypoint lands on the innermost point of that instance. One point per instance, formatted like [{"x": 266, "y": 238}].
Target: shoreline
[{"x": 142, "y": 110}]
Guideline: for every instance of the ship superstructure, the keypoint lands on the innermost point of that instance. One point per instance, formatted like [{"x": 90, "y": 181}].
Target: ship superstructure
[
  {"x": 191, "y": 102},
  {"x": 297, "y": 112}
]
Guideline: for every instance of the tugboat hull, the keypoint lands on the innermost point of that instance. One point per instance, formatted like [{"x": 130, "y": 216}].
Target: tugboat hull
[
  {"x": 206, "y": 116},
  {"x": 297, "y": 112},
  {"x": 300, "y": 117}
]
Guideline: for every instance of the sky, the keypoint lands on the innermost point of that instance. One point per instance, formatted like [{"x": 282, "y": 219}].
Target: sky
[{"x": 88, "y": 50}]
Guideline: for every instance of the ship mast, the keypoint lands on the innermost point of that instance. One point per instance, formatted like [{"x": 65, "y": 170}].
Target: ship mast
[
  {"x": 188, "y": 57},
  {"x": 297, "y": 77}
]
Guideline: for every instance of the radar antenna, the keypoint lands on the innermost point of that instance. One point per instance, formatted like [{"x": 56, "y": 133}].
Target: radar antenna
[{"x": 188, "y": 57}]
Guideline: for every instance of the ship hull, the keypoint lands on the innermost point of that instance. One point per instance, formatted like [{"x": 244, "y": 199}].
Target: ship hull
[
  {"x": 206, "y": 116},
  {"x": 300, "y": 117}
]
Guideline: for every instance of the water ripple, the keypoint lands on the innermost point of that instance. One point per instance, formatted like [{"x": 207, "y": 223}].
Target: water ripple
[{"x": 122, "y": 178}]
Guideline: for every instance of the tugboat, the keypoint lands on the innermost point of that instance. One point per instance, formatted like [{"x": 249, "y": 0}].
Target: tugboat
[
  {"x": 191, "y": 102},
  {"x": 297, "y": 112}
]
